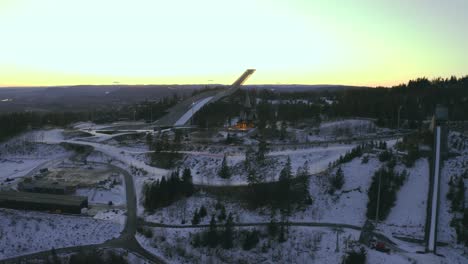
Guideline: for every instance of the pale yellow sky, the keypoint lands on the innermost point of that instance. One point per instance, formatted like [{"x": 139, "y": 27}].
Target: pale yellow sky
[{"x": 356, "y": 42}]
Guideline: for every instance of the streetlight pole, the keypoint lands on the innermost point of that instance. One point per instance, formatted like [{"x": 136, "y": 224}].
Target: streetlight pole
[
  {"x": 378, "y": 199},
  {"x": 399, "y": 110},
  {"x": 151, "y": 113}
]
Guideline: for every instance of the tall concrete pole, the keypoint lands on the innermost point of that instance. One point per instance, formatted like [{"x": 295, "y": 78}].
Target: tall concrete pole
[{"x": 378, "y": 199}]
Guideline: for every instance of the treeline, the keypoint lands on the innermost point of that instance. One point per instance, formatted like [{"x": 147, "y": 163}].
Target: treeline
[
  {"x": 227, "y": 237},
  {"x": 356, "y": 152},
  {"x": 162, "y": 193},
  {"x": 218, "y": 113},
  {"x": 268, "y": 114},
  {"x": 164, "y": 149},
  {"x": 18, "y": 122},
  {"x": 283, "y": 194},
  {"x": 15, "y": 123},
  {"x": 417, "y": 100},
  {"x": 389, "y": 182},
  {"x": 88, "y": 257}
]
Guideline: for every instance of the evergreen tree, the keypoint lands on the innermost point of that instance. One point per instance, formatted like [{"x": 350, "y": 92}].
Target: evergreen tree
[
  {"x": 282, "y": 235},
  {"x": 355, "y": 257},
  {"x": 262, "y": 150},
  {"x": 222, "y": 214},
  {"x": 284, "y": 185},
  {"x": 251, "y": 240},
  {"x": 249, "y": 158},
  {"x": 272, "y": 227},
  {"x": 196, "y": 218},
  {"x": 283, "y": 130},
  {"x": 202, "y": 211},
  {"x": 224, "y": 172},
  {"x": 337, "y": 180},
  {"x": 212, "y": 235},
  {"x": 187, "y": 183},
  {"x": 228, "y": 233}
]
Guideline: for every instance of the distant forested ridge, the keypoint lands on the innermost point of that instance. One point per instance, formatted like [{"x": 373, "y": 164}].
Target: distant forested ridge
[
  {"x": 17, "y": 122},
  {"x": 416, "y": 101}
]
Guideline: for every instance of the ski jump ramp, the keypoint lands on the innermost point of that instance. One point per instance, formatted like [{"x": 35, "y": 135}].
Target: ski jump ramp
[{"x": 180, "y": 114}]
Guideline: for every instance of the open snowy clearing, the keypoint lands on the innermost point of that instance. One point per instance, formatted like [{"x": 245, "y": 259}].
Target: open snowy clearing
[{"x": 23, "y": 232}]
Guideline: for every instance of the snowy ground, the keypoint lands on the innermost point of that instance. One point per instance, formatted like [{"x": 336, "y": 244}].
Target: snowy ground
[
  {"x": 116, "y": 195},
  {"x": 205, "y": 165},
  {"x": 346, "y": 206},
  {"x": 19, "y": 157},
  {"x": 115, "y": 215},
  {"x": 304, "y": 245},
  {"x": 349, "y": 204},
  {"x": 408, "y": 216},
  {"x": 453, "y": 167},
  {"x": 112, "y": 151},
  {"x": 23, "y": 232}
]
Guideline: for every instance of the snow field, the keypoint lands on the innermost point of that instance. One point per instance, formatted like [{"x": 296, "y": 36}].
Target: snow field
[{"x": 23, "y": 232}]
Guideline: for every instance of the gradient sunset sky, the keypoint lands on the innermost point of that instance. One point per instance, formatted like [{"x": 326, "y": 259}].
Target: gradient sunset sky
[{"x": 355, "y": 42}]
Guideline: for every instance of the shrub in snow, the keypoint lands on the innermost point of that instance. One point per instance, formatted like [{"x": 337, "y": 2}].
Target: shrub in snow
[
  {"x": 202, "y": 211},
  {"x": 251, "y": 239},
  {"x": 356, "y": 257},
  {"x": 225, "y": 171},
  {"x": 196, "y": 218},
  {"x": 385, "y": 156},
  {"x": 337, "y": 181}
]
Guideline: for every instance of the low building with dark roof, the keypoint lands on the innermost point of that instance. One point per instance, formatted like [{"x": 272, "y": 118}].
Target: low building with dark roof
[
  {"x": 46, "y": 187},
  {"x": 43, "y": 202}
]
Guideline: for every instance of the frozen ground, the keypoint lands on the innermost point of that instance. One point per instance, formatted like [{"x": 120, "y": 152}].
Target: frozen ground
[
  {"x": 23, "y": 232},
  {"x": 19, "y": 157},
  {"x": 116, "y": 195},
  {"x": 408, "y": 216},
  {"x": 346, "y": 206},
  {"x": 304, "y": 245},
  {"x": 349, "y": 204},
  {"x": 205, "y": 166},
  {"x": 111, "y": 151},
  {"x": 115, "y": 215},
  {"x": 453, "y": 167}
]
